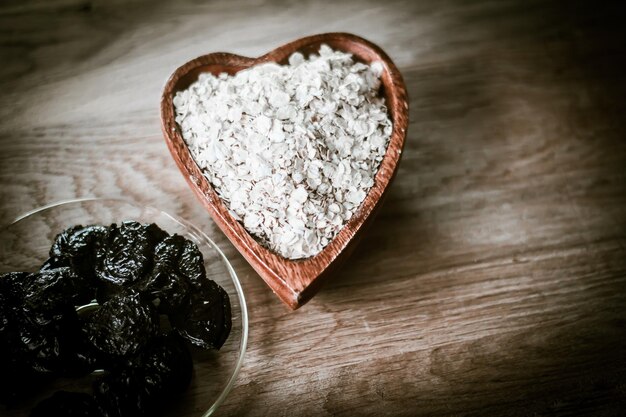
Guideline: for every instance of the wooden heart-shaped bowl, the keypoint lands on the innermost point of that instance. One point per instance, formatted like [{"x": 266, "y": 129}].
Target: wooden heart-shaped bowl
[{"x": 294, "y": 281}]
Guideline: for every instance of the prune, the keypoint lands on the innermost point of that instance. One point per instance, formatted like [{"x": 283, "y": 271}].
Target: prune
[
  {"x": 191, "y": 264},
  {"x": 45, "y": 348},
  {"x": 167, "y": 365},
  {"x": 12, "y": 285},
  {"x": 39, "y": 325},
  {"x": 76, "y": 247},
  {"x": 11, "y": 295},
  {"x": 167, "y": 288},
  {"x": 122, "y": 325},
  {"x": 156, "y": 233},
  {"x": 136, "y": 272},
  {"x": 122, "y": 395},
  {"x": 162, "y": 370},
  {"x": 168, "y": 251},
  {"x": 106, "y": 290},
  {"x": 18, "y": 381},
  {"x": 178, "y": 267},
  {"x": 30, "y": 353},
  {"x": 67, "y": 404},
  {"x": 182, "y": 255},
  {"x": 81, "y": 358},
  {"x": 206, "y": 320},
  {"x": 52, "y": 291},
  {"x": 38, "y": 347},
  {"x": 5, "y": 315},
  {"x": 17, "y": 378},
  {"x": 127, "y": 255}
]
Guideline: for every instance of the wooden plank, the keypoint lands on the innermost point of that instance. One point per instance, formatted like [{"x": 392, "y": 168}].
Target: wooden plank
[{"x": 494, "y": 279}]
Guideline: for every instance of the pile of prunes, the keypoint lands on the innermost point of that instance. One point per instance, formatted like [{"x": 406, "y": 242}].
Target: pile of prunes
[{"x": 145, "y": 295}]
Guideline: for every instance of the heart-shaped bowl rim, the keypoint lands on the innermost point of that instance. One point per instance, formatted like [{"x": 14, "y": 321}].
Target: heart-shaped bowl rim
[{"x": 294, "y": 281}]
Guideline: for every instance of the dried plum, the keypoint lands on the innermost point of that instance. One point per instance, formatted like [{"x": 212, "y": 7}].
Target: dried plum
[
  {"x": 67, "y": 404},
  {"x": 17, "y": 378},
  {"x": 37, "y": 322},
  {"x": 12, "y": 285},
  {"x": 167, "y": 288},
  {"x": 183, "y": 256},
  {"x": 82, "y": 358},
  {"x": 122, "y": 325},
  {"x": 178, "y": 267},
  {"x": 136, "y": 272},
  {"x": 168, "y": 251},
  {"x": 52, "y": 291},
  {"x": 11, "y": 296},
  {"x": 156, "y": 233},
  {"x": 45, "y": 348},
  {"x": 167, "y": 365},
  {"x": 38, "y": 346},
  {"x": 191, "y": 264},
  {"x": 122, "y": 395},
  {"x": 5, "y": 315},
  {"x": 76, "y": 247},
  {"x": 162, "y": 370},
  {"x": 18, "y": 381},
  {"x": 206, "y": 320},
  {"x": 106, "y": 290},
  {"x": 77, "y": 242},
  {"x": 126, "y": 256},
  {"x": 30, "y": 353}
]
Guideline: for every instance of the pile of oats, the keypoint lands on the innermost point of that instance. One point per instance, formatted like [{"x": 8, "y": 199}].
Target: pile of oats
[{"x": 292, "y": 149}]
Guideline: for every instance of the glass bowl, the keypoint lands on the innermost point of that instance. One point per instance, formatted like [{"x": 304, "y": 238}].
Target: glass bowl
[{"x": 24, "y": 246}]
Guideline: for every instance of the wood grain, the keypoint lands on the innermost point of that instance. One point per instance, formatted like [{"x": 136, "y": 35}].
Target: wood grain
[
  {"x": 493, "y": 281},
  {"x": 293, "y": 281}
]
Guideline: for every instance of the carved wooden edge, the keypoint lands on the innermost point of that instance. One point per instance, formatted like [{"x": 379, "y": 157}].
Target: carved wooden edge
[{"x": 295, "y": 282}]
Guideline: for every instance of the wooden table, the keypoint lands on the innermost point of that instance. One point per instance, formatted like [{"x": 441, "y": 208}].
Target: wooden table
[{"x": 493, "y": 281}]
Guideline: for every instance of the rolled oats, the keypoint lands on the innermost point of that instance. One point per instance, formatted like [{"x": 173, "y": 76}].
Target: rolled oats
[{"x": 292, "y": 150}]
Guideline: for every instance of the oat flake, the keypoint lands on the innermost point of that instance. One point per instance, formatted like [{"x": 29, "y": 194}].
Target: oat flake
[{"x": 293, "y": 149}]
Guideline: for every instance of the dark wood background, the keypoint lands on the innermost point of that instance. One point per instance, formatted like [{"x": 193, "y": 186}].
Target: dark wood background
[{"x": 494, "y": 280}]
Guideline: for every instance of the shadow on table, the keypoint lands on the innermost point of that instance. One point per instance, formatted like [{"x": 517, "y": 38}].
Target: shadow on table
[
  {"x": 45, "y": 36},
  {"x": 480, "y": 185}
]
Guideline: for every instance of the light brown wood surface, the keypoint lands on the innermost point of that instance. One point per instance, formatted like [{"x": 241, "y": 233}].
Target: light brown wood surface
[
  {"x": 293, "y": 281},
  {"x": 493, "y": 282}
]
